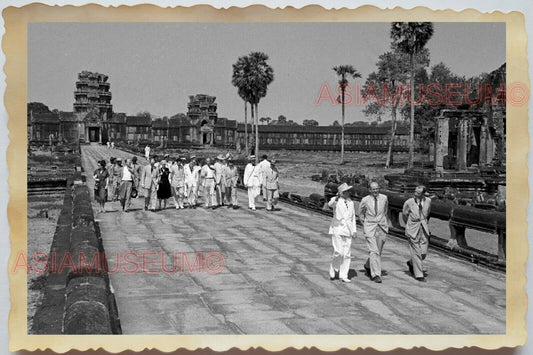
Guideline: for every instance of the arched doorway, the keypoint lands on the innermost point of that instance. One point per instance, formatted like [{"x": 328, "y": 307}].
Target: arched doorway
[{"x": 206, "y": 132}]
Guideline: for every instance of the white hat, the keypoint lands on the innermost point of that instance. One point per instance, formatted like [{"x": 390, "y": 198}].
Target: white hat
[
  {"x": 221, "y": 157},
  {"x": 251, "y": 157},
  {"x": 343, "y": 187}
]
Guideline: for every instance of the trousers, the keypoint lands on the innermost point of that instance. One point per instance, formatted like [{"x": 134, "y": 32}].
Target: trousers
[
  {"x": 209, "y": 193},
  {"x": 191, "y": 193},
  {"x": 178, "y": 195},
  {"x": 418, "y": 248},
  {"x": 124, "y": 192},
  {"x": 231, "y": 195},
  {"x": 375, "y": 244},
  {"x": 341, "y": 255},
  {"x": 253, "y": 191}
]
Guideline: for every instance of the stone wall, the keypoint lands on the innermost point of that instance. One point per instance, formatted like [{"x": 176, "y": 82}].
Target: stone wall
[{"x": 78, "y": 298}]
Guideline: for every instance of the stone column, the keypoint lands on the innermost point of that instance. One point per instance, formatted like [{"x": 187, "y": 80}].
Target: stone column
[
  {"x": 441, "y": 142},
  {"x": 462, "y": 143}
]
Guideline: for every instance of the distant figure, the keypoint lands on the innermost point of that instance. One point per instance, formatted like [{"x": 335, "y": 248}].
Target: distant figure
[
  {"x": 108, "y": 145},
  {"x": 271, "y": 180},
  {"x": 252, "y": 181},
  {"x": 373, "y": 214},
  {"x": 192, "y": 178},
  {"x": 231, "y": 175},
  {"x": 208, "y": 183},
  {"x": 126, "y": 178},
  {"x": 342, "y": 230},
  {"x": 177, "y": 182},
  {"x": 415, "y": 213},
  {"x": 220, "y": 180},
  {"x": 112, "y": 145},
  {"x": 136, "y": 172},
  {"x": 264, "y": 166},
  {"x": 114, "y": 172},
  {"x": 149, "y": 181},
  {"x": 163, "y": 190},
  {"x": 100, "y": 184},
  {"x": 147, "y": 152}
]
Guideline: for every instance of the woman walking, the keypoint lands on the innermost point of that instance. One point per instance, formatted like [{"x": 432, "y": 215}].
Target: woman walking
[
  {"x": 101, "y": 176},
  {"x": 163, "y": 191}
]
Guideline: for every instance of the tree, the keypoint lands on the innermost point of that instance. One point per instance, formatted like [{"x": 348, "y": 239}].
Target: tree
[
  {"x": 410, "y": 38},
  {"x": 37, "y": 108},
  {"x": 335, "y": 123},
  {"x": 252, "y": 75},
  {"x": 310, "y": 123},
  {"x": 240, "y": 81},
  {"x": 387, "y": 84},
  {"x": 344, "y": 71},
  {"x": 261, "y": 75},
  {"x": 144, "y": 114},
  {"x": 265, "y": 119},
  {"x": 282, "y": 119}
]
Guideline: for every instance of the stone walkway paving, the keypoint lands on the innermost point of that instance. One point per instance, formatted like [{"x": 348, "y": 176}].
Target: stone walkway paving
[{"x": 275, "y": 278}]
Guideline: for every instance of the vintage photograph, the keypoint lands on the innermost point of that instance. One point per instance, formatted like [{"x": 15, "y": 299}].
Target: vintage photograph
[{"x": 266, "y": 178}]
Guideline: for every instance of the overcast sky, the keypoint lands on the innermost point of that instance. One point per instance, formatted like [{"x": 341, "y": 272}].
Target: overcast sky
[{"x": 155, "y": 66}]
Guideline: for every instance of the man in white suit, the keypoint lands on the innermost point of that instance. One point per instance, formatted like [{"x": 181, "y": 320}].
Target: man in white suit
[
  {"x": 342, "y": 230},
  {"x": 252, "y": 181},
  {"x": 264, "y": 167},
  {"x": 373, "y": 214}
]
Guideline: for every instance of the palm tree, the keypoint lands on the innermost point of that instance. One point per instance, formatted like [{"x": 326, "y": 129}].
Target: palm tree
[
  {"x": 259, "y": 77},
  {"x": 239, "y": 80},
  {"x": 344, "y": 71},
  {"x": 410, "y": 38}
]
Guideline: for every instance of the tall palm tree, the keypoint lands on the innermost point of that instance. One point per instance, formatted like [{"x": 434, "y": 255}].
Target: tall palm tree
[
  {"x": 240, "y": 81},
  {"x": 344, "y": 71},
  {"x": 260, "y": 76},
  {"x": 411, "y": 38}
]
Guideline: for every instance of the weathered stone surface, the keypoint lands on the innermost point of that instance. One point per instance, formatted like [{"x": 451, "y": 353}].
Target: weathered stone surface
[
  {"x": 276, "y": 280},
  {"x": 87, "y": 317}
]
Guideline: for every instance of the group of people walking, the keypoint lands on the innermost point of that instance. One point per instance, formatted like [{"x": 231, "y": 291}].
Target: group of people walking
[
  {"x": 373, "y": 215},
  {"x": 183, "y": 180}
]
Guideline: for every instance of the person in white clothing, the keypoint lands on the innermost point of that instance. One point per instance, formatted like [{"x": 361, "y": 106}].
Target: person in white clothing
[
  {"x": 252, "y": 181},
  {"x": 208, "y": 181},
  {"x": 264, "y": 167},
  {"x": 147, "y": 152},
  {"x": 373, "y": 214},
  {"x": 342, "y": 230},
  {"x": 192, "y": 177},
  {"x": 220, "y": 179}
]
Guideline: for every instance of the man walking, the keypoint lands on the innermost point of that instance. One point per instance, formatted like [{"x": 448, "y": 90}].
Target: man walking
[
  {"x": 208, "y": 182},
  {"x": 177, "y": 182},
  {"x": 220, "y": 180},
  {"x": 149, "y": 182},
  {"x": 415, "y": 213},
  {"x": 192, "y": 176},
  {"x": 126, "y": 177},
  {"x": 252, "y": 181},
  {"x": 136, "y": 172},
  {"x": 342, "y": 230},
  {"x": 271, "y": 185},
  {"x": 231, "y": 175},
  {"x": 373, "y": 214},
  {"x": 264, "y": 167}
]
